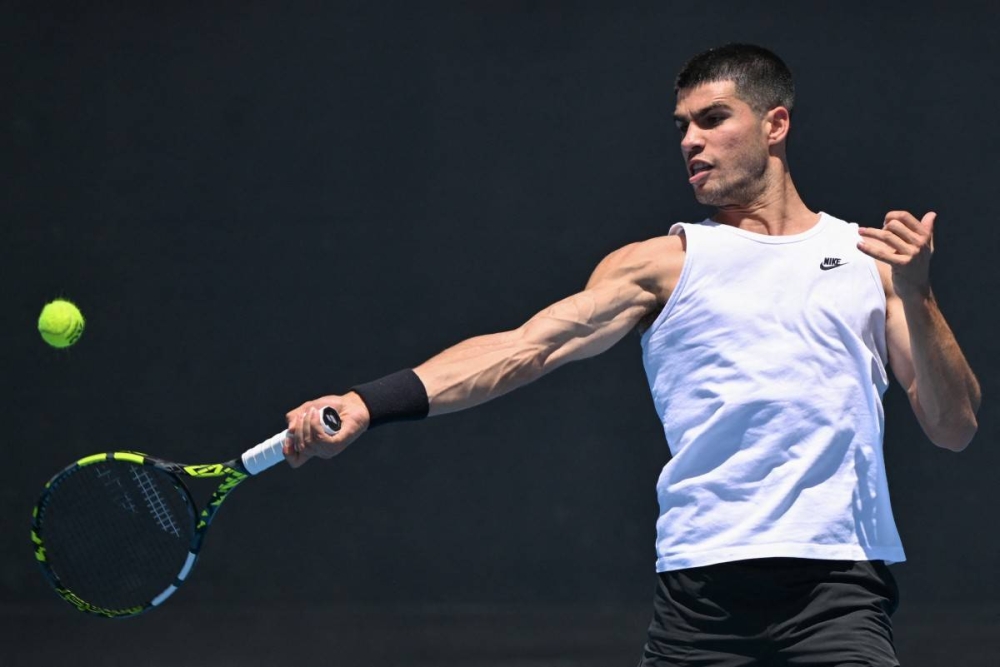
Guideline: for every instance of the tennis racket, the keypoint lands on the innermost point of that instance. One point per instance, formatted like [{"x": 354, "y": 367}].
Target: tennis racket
[{"x": 117, "y": 533}]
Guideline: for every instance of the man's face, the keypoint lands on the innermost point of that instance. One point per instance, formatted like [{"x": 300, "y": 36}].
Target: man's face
[{"x": 724, "y": 144}]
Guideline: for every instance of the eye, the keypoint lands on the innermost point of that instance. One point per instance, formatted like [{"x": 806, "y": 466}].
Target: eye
[{"x": 713, "y": 119}]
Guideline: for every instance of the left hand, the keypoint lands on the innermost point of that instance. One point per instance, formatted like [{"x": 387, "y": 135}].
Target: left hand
[{"x": 906, "y": 244}]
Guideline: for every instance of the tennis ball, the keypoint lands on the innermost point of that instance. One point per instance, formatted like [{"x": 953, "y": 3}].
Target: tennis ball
[{"x": 61, "y": 323}]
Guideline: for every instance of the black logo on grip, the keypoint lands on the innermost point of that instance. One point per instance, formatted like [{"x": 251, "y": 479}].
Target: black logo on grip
[{"x": 331, "y": 420}]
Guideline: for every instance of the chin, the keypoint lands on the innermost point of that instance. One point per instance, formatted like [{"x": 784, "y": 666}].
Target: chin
[
  {"x": 710, "y": 199},
  {"x": 723, "y": 197}
]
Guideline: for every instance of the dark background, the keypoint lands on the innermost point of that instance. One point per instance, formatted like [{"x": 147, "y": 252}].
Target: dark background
[{"x": 255, "y": 204}]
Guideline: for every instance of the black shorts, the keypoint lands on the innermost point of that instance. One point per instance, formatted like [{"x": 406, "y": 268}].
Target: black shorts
[{"x": 774, "y": 611}]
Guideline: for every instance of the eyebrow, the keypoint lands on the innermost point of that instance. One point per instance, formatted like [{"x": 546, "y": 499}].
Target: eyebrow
[{"x": 703, "y": 111}]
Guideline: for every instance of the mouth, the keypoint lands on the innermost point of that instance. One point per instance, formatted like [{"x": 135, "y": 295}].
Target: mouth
[{"x": 699, "y": 171}]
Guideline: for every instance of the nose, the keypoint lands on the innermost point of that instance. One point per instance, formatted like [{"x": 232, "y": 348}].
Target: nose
[{"x": 693, "y": 140}]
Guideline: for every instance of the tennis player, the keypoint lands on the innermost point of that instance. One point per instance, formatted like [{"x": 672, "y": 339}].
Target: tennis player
[{"x": 766, "y": 332}]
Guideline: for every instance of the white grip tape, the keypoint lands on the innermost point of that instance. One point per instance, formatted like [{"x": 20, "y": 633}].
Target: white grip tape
[{"x": 268, "y": 453}]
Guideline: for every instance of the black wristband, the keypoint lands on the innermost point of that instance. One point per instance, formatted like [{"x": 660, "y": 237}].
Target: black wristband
[{"x": 397, "y": 397}]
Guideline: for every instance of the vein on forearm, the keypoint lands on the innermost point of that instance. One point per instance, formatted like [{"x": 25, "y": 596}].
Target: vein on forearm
[{"x": 484, "y": 367}]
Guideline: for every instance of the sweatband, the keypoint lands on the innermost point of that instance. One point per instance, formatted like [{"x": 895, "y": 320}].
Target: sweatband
[{"x": 397, "y": 397}]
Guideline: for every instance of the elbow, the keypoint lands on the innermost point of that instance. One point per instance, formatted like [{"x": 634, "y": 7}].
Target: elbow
[
  {"x": 956, "y": 437},
  {"x": 951, "y": 427},
  {"x": 538, "y": 350},
  {"x": 531, "y": 357}
]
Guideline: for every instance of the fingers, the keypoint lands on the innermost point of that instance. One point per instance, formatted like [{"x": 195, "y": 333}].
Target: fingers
[
  {"x": 312, "y": 426},
  {"x": 293, "y": 435},
  {"x": 924, "y": 224},
  {"x": 294, "y": 418},
  {"x": 878, "y": 250},
  {"x": 907, "y": 225},
  {"x": 307, "y": 438},
  {"x": 888, "y": 239},
  {"x": 296, "y": 460},
  {"x": 297, "y": 448},
  {"x": 901, "y": 238},
  {"x": 303, "y": 434},
  {"x": 905, "y": 217},
  {"x": 903, "y": 232},
  {"x": 928, "y": 221}
]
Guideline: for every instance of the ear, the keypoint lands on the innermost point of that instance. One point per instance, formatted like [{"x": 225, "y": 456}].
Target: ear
[{"x": 776, "y": 124}]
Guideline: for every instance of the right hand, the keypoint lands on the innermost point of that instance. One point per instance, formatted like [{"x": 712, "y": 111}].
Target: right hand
[{"x": 306, "y": 437}]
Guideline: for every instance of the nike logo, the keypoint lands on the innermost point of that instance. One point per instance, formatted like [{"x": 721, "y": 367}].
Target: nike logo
[{"x": 831, "y": 263}]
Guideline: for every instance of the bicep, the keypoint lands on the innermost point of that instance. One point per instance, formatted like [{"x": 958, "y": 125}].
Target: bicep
[
  {"x": 619, "y": 294},
  {"x": 589, "y": 322}
]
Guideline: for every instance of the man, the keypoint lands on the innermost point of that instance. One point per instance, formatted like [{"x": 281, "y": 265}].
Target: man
[{"x": 766, "y": 333}]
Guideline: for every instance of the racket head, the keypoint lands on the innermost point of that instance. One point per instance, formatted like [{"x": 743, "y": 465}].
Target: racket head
[{"x": 116, "y": 533}]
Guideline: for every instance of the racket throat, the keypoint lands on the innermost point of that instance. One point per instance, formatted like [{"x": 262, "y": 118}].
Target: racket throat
[{"x": 232, "y": 480}]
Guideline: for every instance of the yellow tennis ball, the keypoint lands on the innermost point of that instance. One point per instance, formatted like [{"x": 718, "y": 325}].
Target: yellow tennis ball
[{"x": 61, "y": 323}]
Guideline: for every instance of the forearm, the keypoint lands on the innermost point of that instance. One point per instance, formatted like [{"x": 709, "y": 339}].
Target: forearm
[
  {"x": 478, "y": 370},
  {"x": 947, "y": 394}
]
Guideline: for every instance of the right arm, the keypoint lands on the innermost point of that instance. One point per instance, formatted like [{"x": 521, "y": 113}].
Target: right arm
[
  {"x": 629, "y": 285},
  {"x": 617, "y": 296}
]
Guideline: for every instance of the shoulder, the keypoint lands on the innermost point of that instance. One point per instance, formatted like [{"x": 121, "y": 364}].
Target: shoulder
[
  {"x": 653, "y": 267},
  {"x": 649, "y": 259}
]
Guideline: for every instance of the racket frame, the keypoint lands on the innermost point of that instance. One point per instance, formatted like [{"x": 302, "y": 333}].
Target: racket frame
[
  {"x": 233, "y": 473},
  {"x": 252, "y": 462}
]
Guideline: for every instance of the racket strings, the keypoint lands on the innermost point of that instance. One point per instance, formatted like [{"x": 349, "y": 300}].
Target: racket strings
[
  {"x": 116, "y": 533},
  {"x": 158, "y": 507}
]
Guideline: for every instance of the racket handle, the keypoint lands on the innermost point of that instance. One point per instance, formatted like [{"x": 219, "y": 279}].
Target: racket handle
[{"x": 269, "y": 453}]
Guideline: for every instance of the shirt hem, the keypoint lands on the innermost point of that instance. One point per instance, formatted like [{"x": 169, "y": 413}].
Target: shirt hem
[{"x": 809, "y": 551}]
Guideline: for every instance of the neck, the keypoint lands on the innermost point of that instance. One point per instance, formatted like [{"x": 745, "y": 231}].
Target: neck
[{"x": 777, "y": 211}]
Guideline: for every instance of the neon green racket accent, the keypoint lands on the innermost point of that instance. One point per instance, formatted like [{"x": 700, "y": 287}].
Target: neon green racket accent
[
  {"x": 39, "y": 549},
  {"x": 210, "y": 470},
  {"x": 83, "y": 605},
  {"x": 96, "y": 458}
]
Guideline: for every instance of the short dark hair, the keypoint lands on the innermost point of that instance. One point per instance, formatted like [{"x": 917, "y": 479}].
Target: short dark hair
[{"x": 762, "y": 79}]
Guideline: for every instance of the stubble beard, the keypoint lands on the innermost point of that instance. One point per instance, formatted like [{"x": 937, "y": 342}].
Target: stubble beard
[{"x": 749, "y": 185}]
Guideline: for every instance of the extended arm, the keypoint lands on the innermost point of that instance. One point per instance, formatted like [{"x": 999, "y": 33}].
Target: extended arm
[
  {"x": 923, "y": 352},
  {"x": 625, "y": 287},
  {"x": 580, "y": 326}
]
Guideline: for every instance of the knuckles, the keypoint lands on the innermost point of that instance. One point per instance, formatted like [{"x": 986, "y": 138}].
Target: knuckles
[{"x": 899, "y": 215}]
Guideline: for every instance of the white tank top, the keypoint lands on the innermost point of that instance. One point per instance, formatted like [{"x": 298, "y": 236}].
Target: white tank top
[{"x": 767, "y": 369}]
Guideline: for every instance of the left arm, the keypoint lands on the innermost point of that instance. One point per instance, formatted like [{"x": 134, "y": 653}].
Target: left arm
[{"x": 923, "y": 353}]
